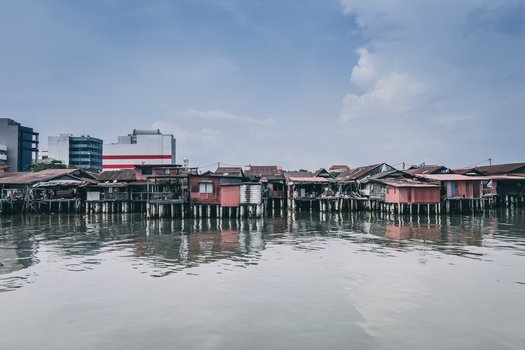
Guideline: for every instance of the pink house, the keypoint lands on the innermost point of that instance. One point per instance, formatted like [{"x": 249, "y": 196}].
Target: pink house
[
  {"x": 230, "y": 195},
  {"x": 456, "y": 186},
  {"x": 406, "y": 191}
]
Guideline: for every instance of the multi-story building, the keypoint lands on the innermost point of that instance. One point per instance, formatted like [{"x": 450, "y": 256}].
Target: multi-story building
[
  {"x": 3, "y": 154},
  {"x": 21, "y": 144},
  {"x": 82, "y": 152},
  {"x": 141, "y": 147}
]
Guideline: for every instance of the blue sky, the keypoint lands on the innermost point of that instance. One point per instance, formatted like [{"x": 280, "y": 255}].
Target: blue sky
[{"x": 299, "y": 83}]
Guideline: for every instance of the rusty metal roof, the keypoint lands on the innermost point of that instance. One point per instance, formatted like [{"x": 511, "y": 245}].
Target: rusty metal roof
[
  {"x": 229, "y": 171},
  {"x": 468, "y": 171},
  {"x": 264, "y": 171},
  {"x": 288, "y": 174},
  {"x": 28, "y": 178},
  {"x": 339, "y": 167},
  {"x": 312, "y": 179},
  {"x": 452, "y": 177},
  {"x": 406, "y": 183},
  {"x": 359, "y": 173},
  {"x": 428, "y": 169},
  {"x": 500, "y": 169},
  {"x": 61, "y": 183},
  {"x": 122, "y": 175},
  {"x": 11, "y": 173},
  {"x": 514, "y": 177}
]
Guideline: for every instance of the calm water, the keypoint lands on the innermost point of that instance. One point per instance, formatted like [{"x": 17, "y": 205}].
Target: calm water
[{"x": 352, "y": 282}]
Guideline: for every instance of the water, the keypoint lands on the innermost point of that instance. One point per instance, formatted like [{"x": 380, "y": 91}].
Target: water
[{"x": 351, "y": 282}]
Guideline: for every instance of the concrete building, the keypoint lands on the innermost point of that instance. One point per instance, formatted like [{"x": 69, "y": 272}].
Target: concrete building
[
  {"x": 141, "y": 147},
  {"x": 21, "y": 144},
  {"x": 3, "y": 154},
  {"x": 82, "y": 152}
]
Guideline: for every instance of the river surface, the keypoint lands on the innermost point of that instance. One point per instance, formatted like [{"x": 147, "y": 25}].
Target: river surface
[{"x": 356, "y": 281}]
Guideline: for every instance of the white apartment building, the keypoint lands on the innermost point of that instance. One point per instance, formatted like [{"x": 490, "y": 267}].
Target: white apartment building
[{"x": 140, "y": 147}]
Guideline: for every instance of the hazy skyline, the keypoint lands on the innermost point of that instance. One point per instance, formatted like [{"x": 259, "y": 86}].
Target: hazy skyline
[{"x": 302, "y": 84}]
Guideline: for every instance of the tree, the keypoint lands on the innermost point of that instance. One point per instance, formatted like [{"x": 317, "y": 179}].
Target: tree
[{"x": 54, "y": 164}]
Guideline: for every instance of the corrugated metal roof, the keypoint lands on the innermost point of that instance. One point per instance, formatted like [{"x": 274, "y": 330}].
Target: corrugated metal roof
[
  {"x": 339, "y": 167},
  {"x": 312, "y": 179},
  {"x": 288, "y": 174},
  {"x": 517, "y": 177},
  {"x": 361, "y": 172},
  {"x": 229, "y": 171},
  {"x": 427, "y": 169},
  {"x": 469, "y": 170},
  {"x": 61, "y": 183},
  {"x": 12, "y": 173},
  {"x": 452, "y": 177},
  {"x": 266, "y": 171},
  {"x": 124, "y": 175},
  {"x": 499, "y": 169},
  {"x": 40, "y": 176},
  {"x": 407, "y": 183}
]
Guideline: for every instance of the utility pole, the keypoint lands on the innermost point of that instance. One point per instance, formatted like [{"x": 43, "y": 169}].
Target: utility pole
[{"x": 490, "y": 161}]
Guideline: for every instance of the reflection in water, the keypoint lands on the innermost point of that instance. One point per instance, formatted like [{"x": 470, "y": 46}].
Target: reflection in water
[
  {"x": 163, "y": 247},
  {"x": 299, "y": 282}
]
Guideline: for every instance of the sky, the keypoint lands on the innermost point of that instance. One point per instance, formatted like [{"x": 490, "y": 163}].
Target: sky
[{"x": 297, "y": 83}]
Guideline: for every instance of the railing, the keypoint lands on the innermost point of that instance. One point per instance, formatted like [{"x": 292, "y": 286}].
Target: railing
[
  {"x": 161, "y": 196},
  {"x": 139, "y": 196},
  {"x": 377, "y": 196},
  {"x": 115, "y": 196}
]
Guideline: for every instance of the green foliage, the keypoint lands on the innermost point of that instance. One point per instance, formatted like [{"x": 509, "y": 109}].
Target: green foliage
[{"x": 54, "y": 164}]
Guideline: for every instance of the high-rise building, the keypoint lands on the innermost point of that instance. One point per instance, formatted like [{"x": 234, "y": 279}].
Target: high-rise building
[
  {"x": 3, "y": 154},
  {"x": 21, "y": 143},
  {"x": 83, "y": 152},
  {"x": 141, "y": 147}
]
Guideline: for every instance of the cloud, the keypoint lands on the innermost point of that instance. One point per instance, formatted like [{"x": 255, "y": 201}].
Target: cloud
[
  {"x": 388, "y": 94},
  {"x": 364, "y": 72},
  {"x": 435, "y": 77},
  {"x": 507, "y": 17},
  {"x": 208, "y": 136}
]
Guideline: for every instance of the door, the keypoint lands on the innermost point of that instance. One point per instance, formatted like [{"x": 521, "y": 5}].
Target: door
[{"x": 453, "y": 190}]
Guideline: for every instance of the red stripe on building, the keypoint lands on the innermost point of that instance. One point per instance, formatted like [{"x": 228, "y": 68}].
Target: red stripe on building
[
  {"x": 137, "y": 156},
  {"x": 118, "y": 166}
]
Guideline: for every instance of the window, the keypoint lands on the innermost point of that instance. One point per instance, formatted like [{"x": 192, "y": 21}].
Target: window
[{"x": 205, "y": 187}]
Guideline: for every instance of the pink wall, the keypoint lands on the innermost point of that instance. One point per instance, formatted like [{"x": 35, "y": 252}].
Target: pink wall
[
  {"x": 205, "y": 198},
  {"x": 230, "y": 196},
  {"x": 465, "y": 189},
  {"x": 412, "y": 195}
]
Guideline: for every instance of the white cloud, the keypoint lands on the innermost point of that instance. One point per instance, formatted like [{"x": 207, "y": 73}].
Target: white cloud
[
  {"x": 386, "y": 94},
  {"x": 364, "y": 73}
]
